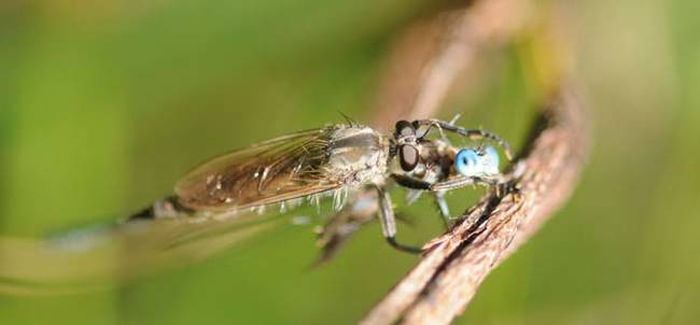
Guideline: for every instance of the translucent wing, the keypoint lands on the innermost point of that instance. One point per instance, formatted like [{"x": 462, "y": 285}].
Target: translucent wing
[
  {"x": 281, "y": 169},
  {"x": 86, "y": 259}
]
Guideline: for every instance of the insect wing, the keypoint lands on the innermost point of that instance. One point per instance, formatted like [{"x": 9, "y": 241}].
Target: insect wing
[{"x": 281, "y": 169}]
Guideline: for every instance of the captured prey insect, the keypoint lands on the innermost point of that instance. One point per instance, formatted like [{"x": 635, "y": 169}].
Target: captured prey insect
[{"x": 336, "y": 160}]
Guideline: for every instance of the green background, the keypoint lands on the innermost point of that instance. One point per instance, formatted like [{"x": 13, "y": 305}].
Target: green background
[{"x": 104, "y": 104}]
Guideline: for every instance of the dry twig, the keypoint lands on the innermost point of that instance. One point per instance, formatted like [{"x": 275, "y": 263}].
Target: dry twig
[
  {"x": 443, "y": 283},
  {"x": 545, "y": 173}
]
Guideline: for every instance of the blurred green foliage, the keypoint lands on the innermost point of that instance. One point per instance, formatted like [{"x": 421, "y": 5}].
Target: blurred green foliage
[{"x": 103, "y": 105}]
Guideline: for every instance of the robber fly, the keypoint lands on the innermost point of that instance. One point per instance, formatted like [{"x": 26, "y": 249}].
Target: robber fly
[{"x": 336, "y": 160}]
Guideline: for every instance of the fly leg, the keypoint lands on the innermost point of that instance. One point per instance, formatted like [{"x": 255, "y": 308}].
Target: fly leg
[
  {"x": 410, "y": 182},
  {"x": 361, "y": 209},
  {"x": 420, "y": 185},
  {"x": 388, "y": 221},
  {"x": 432, "y": 125},
  {"x": 465, "y": 181},
  {"x": 472, "y": 134},
  {"x": 444, "y": 209}
]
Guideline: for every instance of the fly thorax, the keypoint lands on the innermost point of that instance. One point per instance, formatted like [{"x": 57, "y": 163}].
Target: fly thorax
[{"x": 357, "y": 155}]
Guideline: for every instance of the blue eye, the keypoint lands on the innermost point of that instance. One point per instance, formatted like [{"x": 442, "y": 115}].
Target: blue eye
[
  {"x": 466, "y": 162},
  {"x": 469, "y": 162},
  {"x": 492, "y": 156}
]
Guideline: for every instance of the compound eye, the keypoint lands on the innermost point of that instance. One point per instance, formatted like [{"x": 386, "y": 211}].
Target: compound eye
[
  {"x": 408, "y": 157},
  {"x": 405, "y": 129},
  {"x": 470, "y": 162},
  {"x": 466, "y": 162}
]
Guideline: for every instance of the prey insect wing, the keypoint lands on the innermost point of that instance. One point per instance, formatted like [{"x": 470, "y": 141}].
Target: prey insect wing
[{"x": 274, "y": 171}]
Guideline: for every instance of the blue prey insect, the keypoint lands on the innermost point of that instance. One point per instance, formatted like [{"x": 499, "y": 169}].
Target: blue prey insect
[{"x": 336, "y": 160}]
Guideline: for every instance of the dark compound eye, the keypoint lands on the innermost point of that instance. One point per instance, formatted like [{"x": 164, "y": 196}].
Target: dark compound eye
[
  {"x": 405, "y": 128},
  {"x": 408, "y": 157}
]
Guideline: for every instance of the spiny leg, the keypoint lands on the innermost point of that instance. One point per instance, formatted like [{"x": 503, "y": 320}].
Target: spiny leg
[
  {"x": 436, "y": 125},
  {"x": 472, "y": 134},
  {"x": 459, "y": 182},
  {"x": 465, "y": 181},
  {"x": 430, "y": 128},
  {"x": 413, "y": 195},
  {"x": 410, "y": 182},
  {"x": 388, "y": 221},
  {"x": 442, "y": 206},
  {"x": 344, "y": 223}
]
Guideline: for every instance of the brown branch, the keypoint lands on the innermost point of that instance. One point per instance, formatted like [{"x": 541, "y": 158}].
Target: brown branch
[
  {"x": 455, "y": 264},
  {"x": 424, "y": 65},
  {"x": 442, "y": 284}
]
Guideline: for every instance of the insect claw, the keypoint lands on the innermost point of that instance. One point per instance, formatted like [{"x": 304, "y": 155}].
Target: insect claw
[{"x": 404, "y": 248}]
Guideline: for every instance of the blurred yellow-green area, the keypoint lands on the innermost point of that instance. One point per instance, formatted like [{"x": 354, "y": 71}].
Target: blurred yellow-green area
[{"x": 104, "y": 104}]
